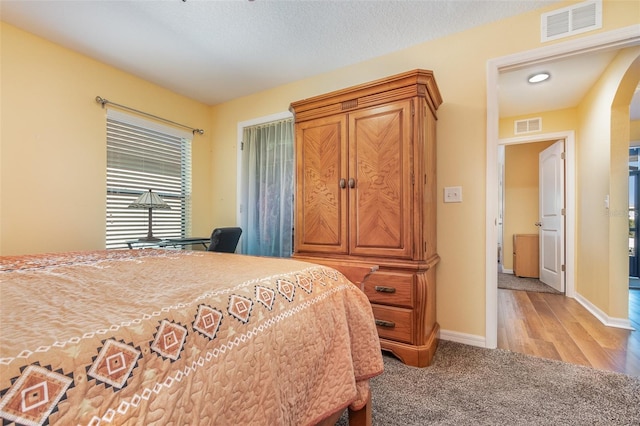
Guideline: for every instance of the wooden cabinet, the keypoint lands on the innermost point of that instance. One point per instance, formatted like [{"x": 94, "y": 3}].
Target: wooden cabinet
[
  {"x": 354, "y": 185},
  {"x": 526, "y": 259},
  {"x": 366, "y": 203}
]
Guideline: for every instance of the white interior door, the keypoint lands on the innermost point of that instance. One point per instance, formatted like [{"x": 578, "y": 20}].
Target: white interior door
[{"x": 551, "y": 212}]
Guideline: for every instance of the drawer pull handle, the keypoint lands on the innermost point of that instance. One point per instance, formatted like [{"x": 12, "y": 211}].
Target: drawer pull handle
[
  {"x": 383, "y": 289},
  {"x": 383, "y": 323}
]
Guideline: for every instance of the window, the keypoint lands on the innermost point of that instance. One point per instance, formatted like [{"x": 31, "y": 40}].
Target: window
[{"x": 143, "y": 155}]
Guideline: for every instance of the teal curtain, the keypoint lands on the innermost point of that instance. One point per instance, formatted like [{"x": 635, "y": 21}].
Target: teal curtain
[{"x": 268, "y": 173}]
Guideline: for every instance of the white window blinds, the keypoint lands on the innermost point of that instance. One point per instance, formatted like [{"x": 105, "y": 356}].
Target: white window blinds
[{"x": 143, "y": 155}]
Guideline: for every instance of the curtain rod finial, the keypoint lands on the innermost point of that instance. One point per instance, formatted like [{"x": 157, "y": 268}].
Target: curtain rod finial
[
  {"x": 198, "y": 131},
  {"x": 101, "y": 101}
]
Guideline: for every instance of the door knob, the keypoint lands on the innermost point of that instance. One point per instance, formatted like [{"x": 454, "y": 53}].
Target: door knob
[
  {"x": 538, "y": 224},
  {"x": 343, "y": 183},
  {"x": 352, "y": 183}
]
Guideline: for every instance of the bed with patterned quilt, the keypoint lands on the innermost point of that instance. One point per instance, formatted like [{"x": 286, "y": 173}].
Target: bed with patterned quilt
[{"x": 159, "y": 337}]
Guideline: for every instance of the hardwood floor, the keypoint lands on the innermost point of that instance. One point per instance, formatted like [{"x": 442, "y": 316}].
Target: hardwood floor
[{"x": 557, "y": 327}]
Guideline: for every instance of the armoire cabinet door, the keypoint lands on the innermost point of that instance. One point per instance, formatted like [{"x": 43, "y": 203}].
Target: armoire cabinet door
[
  {"x": 380, "y": 188},
  {"x": 321, "y": 195}
]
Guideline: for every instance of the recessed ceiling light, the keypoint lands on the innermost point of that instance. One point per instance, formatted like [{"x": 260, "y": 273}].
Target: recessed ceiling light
[{"x": 538, "y": 77}]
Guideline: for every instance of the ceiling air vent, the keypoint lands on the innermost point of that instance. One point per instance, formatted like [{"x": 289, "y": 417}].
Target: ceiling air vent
[
  {"x": 571, "y": 20},
  {"x": 527, "y": 126}
]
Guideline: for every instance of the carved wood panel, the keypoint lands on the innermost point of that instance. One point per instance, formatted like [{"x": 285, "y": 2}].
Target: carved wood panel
[
  {"x": 321, "y": 203},
  {"x": 380, "y": 202}
]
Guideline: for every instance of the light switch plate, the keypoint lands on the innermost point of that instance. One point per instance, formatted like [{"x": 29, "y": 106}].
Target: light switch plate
[{"x": 453, "y": 194}]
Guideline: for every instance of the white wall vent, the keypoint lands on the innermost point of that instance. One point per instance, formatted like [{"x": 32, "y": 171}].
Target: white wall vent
[
  {"x": 528, "y": 126},
  {"x": 571, "y": 20}
]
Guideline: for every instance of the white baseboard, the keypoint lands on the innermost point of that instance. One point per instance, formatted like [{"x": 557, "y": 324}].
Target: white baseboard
[
  {"x": 507, "y": 271},
  {"x": 467, "y": 339},
  {"x": 480, "y": 341},
  {"x": 601, "y": 316}
]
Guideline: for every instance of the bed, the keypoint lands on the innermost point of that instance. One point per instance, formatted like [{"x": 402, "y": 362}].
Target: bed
[{"x": 154, "y": 337}]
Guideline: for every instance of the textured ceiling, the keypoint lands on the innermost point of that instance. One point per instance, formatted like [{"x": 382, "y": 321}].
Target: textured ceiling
[{"x": 214, "y": 51}]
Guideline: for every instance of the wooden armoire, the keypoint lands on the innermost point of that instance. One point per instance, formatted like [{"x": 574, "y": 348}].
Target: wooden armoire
[{"x": 365, "y": 200}]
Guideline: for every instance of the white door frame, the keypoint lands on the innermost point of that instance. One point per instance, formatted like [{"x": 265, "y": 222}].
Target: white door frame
[{"x": 620, "y": 38}]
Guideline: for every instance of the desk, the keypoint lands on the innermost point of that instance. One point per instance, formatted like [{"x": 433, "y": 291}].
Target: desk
[{"x": 169, "y": 242}]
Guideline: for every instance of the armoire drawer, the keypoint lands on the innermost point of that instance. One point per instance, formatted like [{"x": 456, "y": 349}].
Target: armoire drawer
[
  {"x": 390, "y": 288},
  {"x": 394, "y": 323}
]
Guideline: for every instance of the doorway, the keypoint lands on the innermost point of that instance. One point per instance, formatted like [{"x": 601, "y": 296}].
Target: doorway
[
  {"x": 506, "y": 230},
  {"x": 634, "y": 228},
  {"x": 634, "y": 189},
  {"x": 618, "y": 39},
  {"x": 265, "y": 185},
  {"x": 531, "y": 227}
]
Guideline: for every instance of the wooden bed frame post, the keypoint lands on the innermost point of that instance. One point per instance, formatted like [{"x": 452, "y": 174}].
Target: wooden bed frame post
[{"x": 363, "y": 416}]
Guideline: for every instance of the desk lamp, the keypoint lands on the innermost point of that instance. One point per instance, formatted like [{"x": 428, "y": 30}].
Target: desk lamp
[{"x": 149, "y": 200}]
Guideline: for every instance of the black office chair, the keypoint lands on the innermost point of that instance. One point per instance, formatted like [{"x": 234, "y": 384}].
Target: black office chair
[{"x": 224, "y": 240}]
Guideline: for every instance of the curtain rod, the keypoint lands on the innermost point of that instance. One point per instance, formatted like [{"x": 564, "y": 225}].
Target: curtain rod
[{"x": 104, "y": 102}]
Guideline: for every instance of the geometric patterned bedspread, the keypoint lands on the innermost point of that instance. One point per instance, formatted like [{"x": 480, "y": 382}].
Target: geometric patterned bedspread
[{"x": 155, "y": 337}]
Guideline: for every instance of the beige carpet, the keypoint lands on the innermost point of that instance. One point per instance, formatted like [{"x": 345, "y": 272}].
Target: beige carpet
[
  {"x": 467, "y": 385},
  {"x": 511, "y": 282}
]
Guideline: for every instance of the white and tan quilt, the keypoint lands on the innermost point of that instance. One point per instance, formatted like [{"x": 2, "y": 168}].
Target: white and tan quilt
[{"x": 164, "y": 337}]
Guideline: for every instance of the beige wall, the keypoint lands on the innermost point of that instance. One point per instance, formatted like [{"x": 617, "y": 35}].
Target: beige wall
[
  {"x": 552, "y": 122},
  {"x": 47, "y": 95},
  {"x": 53, "y": 144},
  {"x": 602, "y": 157},
  {"x": 520, "y": 193}
]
